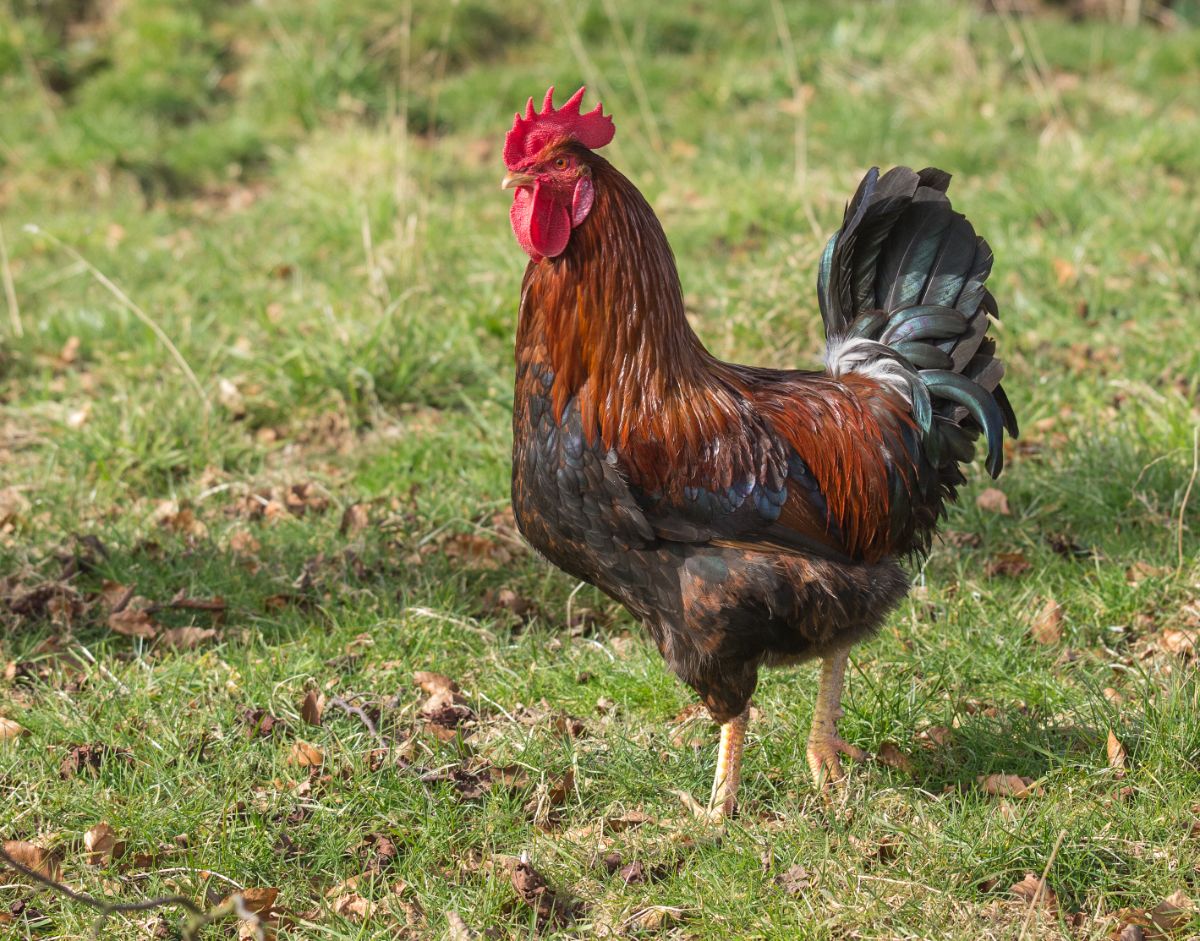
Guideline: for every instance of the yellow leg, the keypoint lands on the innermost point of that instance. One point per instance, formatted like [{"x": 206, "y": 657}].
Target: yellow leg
[
  {"x": 729, "y": 767},
  {"x": 824, "y": 745}
]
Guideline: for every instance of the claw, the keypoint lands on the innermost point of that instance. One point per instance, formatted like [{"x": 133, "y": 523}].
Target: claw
[{"x": 716, "y": 815}]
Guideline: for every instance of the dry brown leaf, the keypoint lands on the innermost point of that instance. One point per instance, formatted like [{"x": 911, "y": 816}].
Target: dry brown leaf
[
  {"x": 87, "y": 759},
  {"x": 532, "y": 888},
  {"x": 243, "y": 543},
  {"x": 1035, "y": 893},
  {"x": 133, "y": 622},
  {"x": 102, "y": 845},
  {"x": 1008, "y": 785},
  {"x": 890, "y": 754},
  {"x": 1172, "y": 913},
  {"x": 179, "y": 519},
  {"x": 42, "y": 861},
  {"x": 230, "y": 398},
  {"x": 186, "y": 638},
  {"x": 304, "y": 755},
  {"x": 355, "y": 518},
  {"x": 1064, "y": 272},
  {"x": 433, "y": 683},
  {"x": 1116, "y": 751},
  {"x": 936, "y": 736},
  {"x": 260, "y": 901},
  {"x": 300, "y": 498},
  {"x": 349, "y": 903},
  {"x": 10, "y": 729},
  {"x": 654, "y": 918},
  {"x": 69, "y": 352},
  {"x": 993, "y": 500},
  {"x": 1008, "y": 564},
  {"x": 457, "y": 930},
  {"x": 474, "y": 549},
  {"x": 78, "y": 417},
  {"x": 13, "y": 507},
  {"x": 1046, "y": 625},
  {"x": 114, "y": 594},
  {"x": 1138, "y": 572},
  {"x": 795, "y": 881},
  {"x": 313, "y": 707},
  {"x": 1178, "y": 641}
]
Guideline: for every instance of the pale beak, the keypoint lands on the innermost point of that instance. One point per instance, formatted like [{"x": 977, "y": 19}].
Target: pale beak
[{"x": 512, "y": 180}]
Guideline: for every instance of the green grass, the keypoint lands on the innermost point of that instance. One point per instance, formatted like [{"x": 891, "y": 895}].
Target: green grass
[{"x": 303, "y": 197}]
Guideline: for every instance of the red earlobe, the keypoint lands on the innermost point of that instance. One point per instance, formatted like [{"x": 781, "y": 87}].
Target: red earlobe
[{"x": 581, "y": 200}]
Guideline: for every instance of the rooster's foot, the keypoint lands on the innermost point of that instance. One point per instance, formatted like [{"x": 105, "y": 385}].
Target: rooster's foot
[{"x": 824, "y": 759}]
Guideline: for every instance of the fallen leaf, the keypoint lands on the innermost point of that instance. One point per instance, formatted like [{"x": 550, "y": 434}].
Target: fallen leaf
[
  {"x": 186, "y": 638},
  {"x": 890, "y": 754},
  {"x": 1116, "y": 751},
  {"x": 883, "y": 850},
  {"x": 569, "y": 726},
  {"x": 1178, "y": 641},
  {"x": 1035, "y": 893},
  {"x": 1046, "y": 625},
  {"x": 355, "y": 519},
  {"x": 795, "y": 881},
  {"x": 78, "y": 417},
  {"x": 300, "y": 498},
  {"x": 13, "y": 507},
  {"x": 259, "y": 901},
  {"x": 445, "y": 710},
  {"x": 1008, "y": 564},
  {"x": 936, "y": 736},
  {"x": 457, "y": 930},
  {"x": 69, "y": 352},
  {"x": 102, "y": 845},
  {"x": 507, "y": 602},
  {"x": 961, "y": 540},
  {"x": 312, "y": 707},
  {"x": 347, "y": 902},
  {"x": 10, "y": 729},
  {"x": 115, "y": 595},
  {"x": 1008, "y": 785},
  {"x": 183, "y": 602},
  {"x": 474, "y": 549},
  {"x": 133, "y": 622},
  {"x": 533, "y": 889},
  {"x": 433, "y": 683},
  {"x": 1064, "y": 271},
  {"x": 304, "y": 755},
  {"x": 993, "y": 500},
  {"x": 634, "y": 873},
  {"x": 229, "y": 397},
  {"x": 179, "y": 519},
  {"x": 1138, "y": 572},
  {"x": 260, "y": 723},
  {"x": 244, "y": 544},
  {"x": 88, "y": 759},
  {"x": 42, "y": 861},
  {"x": 654, "y": 918},
  {"x": 1172, "y": 913}
]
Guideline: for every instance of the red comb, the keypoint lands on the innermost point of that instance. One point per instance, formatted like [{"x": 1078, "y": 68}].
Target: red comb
[{"x": 535, "y": 130}]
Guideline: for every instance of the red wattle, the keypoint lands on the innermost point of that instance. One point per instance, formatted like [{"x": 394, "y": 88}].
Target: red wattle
[{"x": 541, "y": 223}]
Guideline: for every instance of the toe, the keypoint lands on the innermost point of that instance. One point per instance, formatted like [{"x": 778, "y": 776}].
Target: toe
[{"x": 824, "y": 760}]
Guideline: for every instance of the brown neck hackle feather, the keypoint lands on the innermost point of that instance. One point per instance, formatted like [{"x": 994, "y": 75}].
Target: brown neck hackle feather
[{"x": 607, "y": 317}]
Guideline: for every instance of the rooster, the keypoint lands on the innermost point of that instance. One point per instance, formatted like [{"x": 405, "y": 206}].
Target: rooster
[{"x": 749, "y": 517}]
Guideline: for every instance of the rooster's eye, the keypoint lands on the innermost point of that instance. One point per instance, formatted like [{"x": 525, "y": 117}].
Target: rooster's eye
[{"x": 561, "y": 163}]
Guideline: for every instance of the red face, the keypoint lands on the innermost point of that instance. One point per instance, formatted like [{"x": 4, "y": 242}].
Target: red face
[{"x": 554, "y": 194}]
